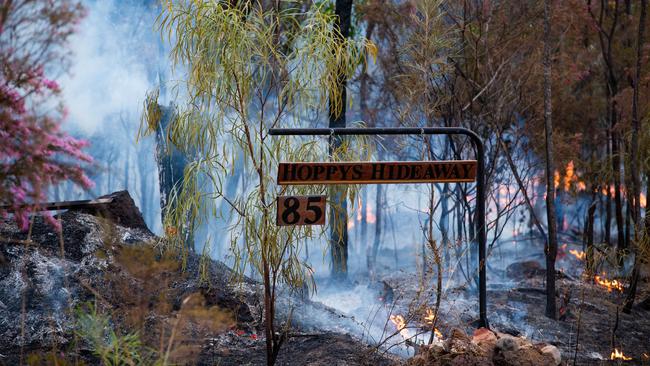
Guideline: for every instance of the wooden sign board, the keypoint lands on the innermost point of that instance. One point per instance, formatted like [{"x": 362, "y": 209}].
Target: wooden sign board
[
  {"x": 301, "y": 210},
  {"x": 377, "y": 172}
]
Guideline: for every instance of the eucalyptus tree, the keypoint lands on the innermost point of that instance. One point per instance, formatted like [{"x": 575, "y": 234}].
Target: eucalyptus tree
[
  {"x": 337, "y": 118},
  {"x": 551, "y": 245},
  {"x": 250, "y": 66}
]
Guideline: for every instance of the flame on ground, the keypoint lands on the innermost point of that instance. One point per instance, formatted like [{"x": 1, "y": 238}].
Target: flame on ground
[
  {"x": 609, "y": 284},
  {"x": 618, "y": 355},
  {"x": 578, "y": 254},
  {"x": 429, "y": 319},
  {"x": 400, "y": 324}
]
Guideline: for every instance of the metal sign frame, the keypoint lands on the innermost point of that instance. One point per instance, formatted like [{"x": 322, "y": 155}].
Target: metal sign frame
[{"x": 480, "y": 181}]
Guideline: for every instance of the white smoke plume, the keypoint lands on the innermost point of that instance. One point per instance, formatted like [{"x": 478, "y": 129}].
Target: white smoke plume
[{"x": 115, "y": 61}]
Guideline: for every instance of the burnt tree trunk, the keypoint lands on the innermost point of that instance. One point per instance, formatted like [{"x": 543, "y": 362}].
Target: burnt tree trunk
[
  {"x": 608, "y": 204},
  {"x": 589, "y": 235},
  {"x": 379, "y": 221},
  {"x": 338, "y": 208},
  {"x": 612, "y": 91},
  {"x": 372, "y": 257},
  {"x": 364, "y": 94},
  {"x": 551, "y": 244},
  {"x": 631, "y": 294},
  {"x": 616, "y": 170},
  {"x": 171, "y": 164},
  {"x": 444, "y": 222},
  {"x": 636, "y": 125},
  {"x": 628, "y": 220}
]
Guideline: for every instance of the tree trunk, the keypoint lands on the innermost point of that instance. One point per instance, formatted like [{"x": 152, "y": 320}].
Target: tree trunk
[
  {"x": 444, "y": 222},
  {"x": 616, "y": 170},
  {"x": 551, "y": 245},
  {"x": 608, "y": 200},
  {"x": 628, "y": 221},
  {"x": 171, "y": 165},
  {"x": 127, "y": 178},
  {"x": 589, "y": 233},
  {"x": 338, "y": 208},
  {"x": 372, "y": 258},
  {"x": 631, "y": 294},
  {"x": 636, "y": 125},
  {"x": 608, "y": 215},
  {"x": 364, "y": 95}
]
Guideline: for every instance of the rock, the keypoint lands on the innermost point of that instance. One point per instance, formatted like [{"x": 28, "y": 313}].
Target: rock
[
  {"x": 495, "y": 349},
  {"x": 554, "y": 352},
  {"x": 523, "y": 356},
  {"x": 485, "y": 338},
  {"x": 484, "y": 335},
  {"x": 518, "y": 351},
  {"x": 432, "y": 356},
  {"x": 122, "y": 211},
  {"x": 524, "y": 270},
  {"x": 98, "y": 260},
  {"x": 458, "y": 342},
  {"x": 507, "y": 343}
]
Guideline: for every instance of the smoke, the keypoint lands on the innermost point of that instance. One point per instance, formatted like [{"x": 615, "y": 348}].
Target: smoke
[
  {"x": 117, "y": 56},
  {"x": 115, "y": 61}
]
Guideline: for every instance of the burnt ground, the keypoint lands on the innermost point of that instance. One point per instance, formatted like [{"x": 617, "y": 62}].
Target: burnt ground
[
  {"x": 517, "y": 307},
  {"x": 590, "y": 325},
  {"x": 316, "y": 349},
  {"x": 216, "y": 320},
  {"x": 143, "y": 291}
]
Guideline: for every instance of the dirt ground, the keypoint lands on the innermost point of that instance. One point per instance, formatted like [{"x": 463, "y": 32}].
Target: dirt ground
[
  {"x": 588, "y": 331},
  {"x": 314, "y": 349}
]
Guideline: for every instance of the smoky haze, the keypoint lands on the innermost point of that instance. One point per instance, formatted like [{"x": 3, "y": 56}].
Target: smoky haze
[{"x": 117, "y": 57}]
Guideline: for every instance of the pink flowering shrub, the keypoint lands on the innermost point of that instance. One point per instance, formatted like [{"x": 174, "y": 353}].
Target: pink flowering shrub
[{"x": 34, "y": 153}]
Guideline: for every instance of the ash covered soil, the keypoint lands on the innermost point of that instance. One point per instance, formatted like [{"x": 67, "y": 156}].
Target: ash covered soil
[
  {"x": 121, "y": 270},
  {"x": 591, "y": 319},
  {"x": 591, "y": 323}
]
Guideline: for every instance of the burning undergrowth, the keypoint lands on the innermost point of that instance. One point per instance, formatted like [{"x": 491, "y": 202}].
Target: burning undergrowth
[
  {"x": 151, "y": 304},
  {"x": 398, "y": 313}
]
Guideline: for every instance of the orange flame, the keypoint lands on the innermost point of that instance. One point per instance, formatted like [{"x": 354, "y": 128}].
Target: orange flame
[
  {"x": 643, "y": 200},
  {"x": 578, "y": 254},
  {"x": 618, "y": 355},
  {"x": 570, "y": 178},
  {"x": 609, "y": 285},
  {"x": 371, "y": 218},
  {"x": 400, "y": 324},
  {"x": 429, "y": 319}
]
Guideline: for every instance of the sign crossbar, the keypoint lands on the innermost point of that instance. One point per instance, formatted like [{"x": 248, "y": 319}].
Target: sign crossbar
[{"x": 480, "y": 181}]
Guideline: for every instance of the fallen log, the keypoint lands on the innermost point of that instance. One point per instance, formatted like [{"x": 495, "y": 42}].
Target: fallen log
[
  {"x": 117, "y": 207},
  {"x": 60, "y": 205}
]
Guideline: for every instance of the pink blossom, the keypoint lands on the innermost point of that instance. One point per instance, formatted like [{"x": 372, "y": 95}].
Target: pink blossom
[
  {"x": 34, "y": 153},
  {"x": 51, "y": 84},
  {"x": 52, "y": 221}
]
